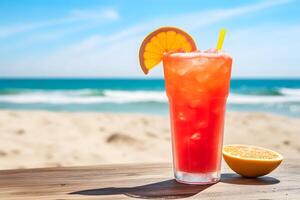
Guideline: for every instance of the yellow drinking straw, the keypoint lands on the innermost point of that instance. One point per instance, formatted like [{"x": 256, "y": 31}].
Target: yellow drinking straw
[{"x": 221, "y": 39}]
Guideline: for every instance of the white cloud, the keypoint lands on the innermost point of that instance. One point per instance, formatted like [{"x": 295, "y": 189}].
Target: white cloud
[
  {"x": 54, "y": 35},
  {"x": 108, "y": 13},
  {"x": 265, "y": 51},
  {"x": 116, "y": 54},
  {"x": 197, "y": 20},
  {"x": 74, "y": 16}
]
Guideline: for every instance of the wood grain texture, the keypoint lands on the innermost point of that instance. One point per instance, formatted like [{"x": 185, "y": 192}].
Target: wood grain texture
[{"x": 143, "y": 181}]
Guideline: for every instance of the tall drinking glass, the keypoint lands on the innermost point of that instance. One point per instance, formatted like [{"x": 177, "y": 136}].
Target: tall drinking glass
[{"x": 197, "y": 86}]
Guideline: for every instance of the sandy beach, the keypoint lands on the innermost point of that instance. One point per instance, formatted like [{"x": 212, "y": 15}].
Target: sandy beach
[{"x": 44, "y": 139}]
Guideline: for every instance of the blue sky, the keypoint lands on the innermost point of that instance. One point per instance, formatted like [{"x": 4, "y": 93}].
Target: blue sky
[{"x": 60, "y": 38}]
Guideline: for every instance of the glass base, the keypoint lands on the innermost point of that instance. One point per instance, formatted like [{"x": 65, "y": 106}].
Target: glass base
[{"x": 197, "y": 178}]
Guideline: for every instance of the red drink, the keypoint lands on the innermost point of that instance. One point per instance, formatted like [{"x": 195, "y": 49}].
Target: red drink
[{"x": 197, "y": 85}]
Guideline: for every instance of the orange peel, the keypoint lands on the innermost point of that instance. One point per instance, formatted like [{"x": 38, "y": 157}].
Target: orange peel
[
  {"x": 160, "y": 41},
  {"x": 251, "y": 161}
]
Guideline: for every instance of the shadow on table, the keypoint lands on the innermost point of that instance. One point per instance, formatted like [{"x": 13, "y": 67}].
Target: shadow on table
[
  {"x": 232, "y": 178},
  {"x": 169, "y": 189}
]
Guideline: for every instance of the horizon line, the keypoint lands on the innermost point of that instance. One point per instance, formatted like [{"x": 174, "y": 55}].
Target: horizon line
[{"x": 133, "y": 78}]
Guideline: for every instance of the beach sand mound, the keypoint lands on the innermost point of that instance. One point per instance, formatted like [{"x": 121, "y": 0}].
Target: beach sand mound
[{"x": 118, "y": 138}]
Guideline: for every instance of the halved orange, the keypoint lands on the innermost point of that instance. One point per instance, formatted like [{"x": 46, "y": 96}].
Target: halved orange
[
  {"x": 163, "y": 40},
  {"x": 251, "y": 161}
]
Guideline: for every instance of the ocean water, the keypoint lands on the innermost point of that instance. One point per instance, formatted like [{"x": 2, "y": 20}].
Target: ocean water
[{"x": 140, "y": 95}]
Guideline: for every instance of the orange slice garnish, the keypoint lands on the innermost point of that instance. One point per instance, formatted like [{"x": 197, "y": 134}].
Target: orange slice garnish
[
  {"x": 163, "y": 40},
  {"x": 251, "y": 161}
]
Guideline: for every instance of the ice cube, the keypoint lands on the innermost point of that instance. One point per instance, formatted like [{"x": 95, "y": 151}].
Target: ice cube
[
  {"x": 196, "y": 136},
  {"x": 182, "y": 71},
  {"x": 199, "y": 61},
  {"x": 225, "y": 70},
  {"x": 181, "y": 116},
  {"x": 218, "y": 110},
  {"x": 211, "y": 50},
  {"x": 202, "y": 77},
  {"x": 194, "y": 103},
  {"x": 201, "y": 124}
]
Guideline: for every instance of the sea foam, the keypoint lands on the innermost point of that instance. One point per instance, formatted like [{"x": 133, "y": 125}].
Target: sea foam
[{"x": 93, "y": 96}]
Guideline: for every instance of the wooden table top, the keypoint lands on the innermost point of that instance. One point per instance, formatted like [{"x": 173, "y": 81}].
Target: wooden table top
[{"x": 143, "y": 181}]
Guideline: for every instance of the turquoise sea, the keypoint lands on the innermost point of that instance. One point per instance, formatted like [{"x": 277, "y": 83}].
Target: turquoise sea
[{"x": 280, "y": 96}]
